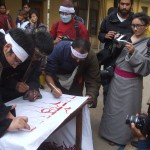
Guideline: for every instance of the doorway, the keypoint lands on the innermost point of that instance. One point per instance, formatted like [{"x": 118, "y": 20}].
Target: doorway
[{"x": 36, "y": 4}]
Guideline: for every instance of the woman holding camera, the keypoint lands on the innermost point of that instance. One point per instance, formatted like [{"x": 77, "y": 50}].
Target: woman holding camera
[{"x": 125, "y": 90}]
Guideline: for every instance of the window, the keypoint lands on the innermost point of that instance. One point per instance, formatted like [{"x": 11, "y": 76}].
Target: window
[{"x": 81, "y": 7}]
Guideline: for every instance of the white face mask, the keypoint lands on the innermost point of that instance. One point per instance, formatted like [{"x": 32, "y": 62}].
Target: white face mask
[{"x": 66, "y": 18}]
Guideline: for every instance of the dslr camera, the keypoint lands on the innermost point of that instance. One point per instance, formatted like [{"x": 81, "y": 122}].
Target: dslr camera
[
  {"x": 141, "y": 122},
  {"x": 107, "y": 73}
]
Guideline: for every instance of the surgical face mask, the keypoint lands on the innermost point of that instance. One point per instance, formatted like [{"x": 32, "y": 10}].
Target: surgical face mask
[{"x": 65, "y": 18}]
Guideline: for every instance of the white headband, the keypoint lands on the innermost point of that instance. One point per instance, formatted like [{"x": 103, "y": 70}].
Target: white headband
[
  {"x": 17, "y": 49},
  {"x": 77, "y": 54},
  {"x": 67, "y": 9}
]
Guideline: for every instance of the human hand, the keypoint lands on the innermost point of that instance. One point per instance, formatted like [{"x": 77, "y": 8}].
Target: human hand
[
  {"x": 7, "y": 12},
  {"x": 22, "y": 87},
  {"x": 137, "y": 132},
  {"x": 91, "y": 102},
  {"x": 31, "y": 22},
  {"x": 110, "y": 35},
  {"x": 130, "y": 47},
  {"x": 19, "y": 123},
  {"x": 32, "y": 95},
  {"x": 56, "y": 92},
  {"x": 58, "y": 39}
]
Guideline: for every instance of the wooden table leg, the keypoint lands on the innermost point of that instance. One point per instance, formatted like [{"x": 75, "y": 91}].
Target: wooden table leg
[{"x": 79, "y": 130}]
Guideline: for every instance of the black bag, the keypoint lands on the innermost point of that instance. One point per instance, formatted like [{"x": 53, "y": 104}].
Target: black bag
[{"x": 103, "y": 55}]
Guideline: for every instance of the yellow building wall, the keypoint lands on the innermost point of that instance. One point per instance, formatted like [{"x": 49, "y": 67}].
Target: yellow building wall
[
  {"x": 144, "y": 5},
  {"x": 54, "y": 11},
  {"x": 137, "y": 7},
  {"x": 13, "y": 7}
]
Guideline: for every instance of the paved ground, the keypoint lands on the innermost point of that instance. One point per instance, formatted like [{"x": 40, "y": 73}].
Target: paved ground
[{"x": 100, "y": 144}]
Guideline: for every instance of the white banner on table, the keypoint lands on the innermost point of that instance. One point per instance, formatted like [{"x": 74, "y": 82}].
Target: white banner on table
[
  {"x": 44, "y": 115},
  {"x": 64, "y": 138}
]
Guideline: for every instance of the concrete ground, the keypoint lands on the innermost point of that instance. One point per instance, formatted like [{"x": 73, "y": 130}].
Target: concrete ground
[{"x": 99, "y": 143}]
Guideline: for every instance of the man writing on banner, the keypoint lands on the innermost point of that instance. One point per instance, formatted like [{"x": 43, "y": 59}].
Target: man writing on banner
[{"x": 15, "y": 48}]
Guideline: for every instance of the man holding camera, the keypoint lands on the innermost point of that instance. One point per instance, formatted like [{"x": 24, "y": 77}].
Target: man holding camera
[
  {"x": 143, "y": 143},
  {"x": 118, "y": 21},
  {"x": 68, "y": 28}
]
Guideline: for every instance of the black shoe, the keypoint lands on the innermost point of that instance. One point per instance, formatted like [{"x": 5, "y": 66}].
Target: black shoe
[{"x": 134, "y": 143}]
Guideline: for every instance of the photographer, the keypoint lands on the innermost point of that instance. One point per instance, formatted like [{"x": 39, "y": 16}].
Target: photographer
[{"x": 143, "y": 143}]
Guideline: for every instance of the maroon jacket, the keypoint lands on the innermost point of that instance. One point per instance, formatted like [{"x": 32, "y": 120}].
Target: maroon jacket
[{"x": 4, "y": 19}]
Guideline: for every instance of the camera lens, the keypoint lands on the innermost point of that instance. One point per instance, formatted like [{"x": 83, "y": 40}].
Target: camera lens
[{"x": 131, "y": 119}]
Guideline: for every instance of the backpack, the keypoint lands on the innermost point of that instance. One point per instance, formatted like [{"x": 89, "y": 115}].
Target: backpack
[
  {"x": 78, "y": 18},
  {"x": 76, "y": 25}
]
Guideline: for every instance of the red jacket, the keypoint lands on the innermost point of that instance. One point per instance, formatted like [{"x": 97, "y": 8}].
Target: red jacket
[
  {"x": 4, "y": 19},
  {"x": 68, "y": 29}
]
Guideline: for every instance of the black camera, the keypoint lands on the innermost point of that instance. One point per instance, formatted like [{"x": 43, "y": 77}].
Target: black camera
[
  {"x": 107, "y": 73},
  {"x": 141, "y": 122}
]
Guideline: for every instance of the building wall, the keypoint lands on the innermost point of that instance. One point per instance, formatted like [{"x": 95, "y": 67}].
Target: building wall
[
  {"x": 13, "y": 7},
  {"x": 54, "y": 11},
  {"x": 146, "y": 4}
]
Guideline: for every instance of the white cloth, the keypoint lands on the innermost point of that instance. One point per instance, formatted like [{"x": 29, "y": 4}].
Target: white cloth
[
  {"x": 44, "y": 116},
  {"x": 22, "y": 25},
  {"x": 16, "y": 48},
  {"x": 65, "y": 136},
  {"x": 67, "y": 80}
]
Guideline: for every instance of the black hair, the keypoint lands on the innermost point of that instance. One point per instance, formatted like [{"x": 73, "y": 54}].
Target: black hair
[
  {"x": 44, "y": 42},
  {"x": 111, "y": 10},
  {"x": 130, "y": 1},
  {"x": 2, "y": 39},
  {"x": 26, "y": 4},
  {"x": 22, "y": 12},
  {"x": 82, "y": 44},
  {"x": 22, "y": 39},
  {"x": 143, "y": 17},
  {"x": 1, "y": 4},
  {"x": 34, "y": 11}
]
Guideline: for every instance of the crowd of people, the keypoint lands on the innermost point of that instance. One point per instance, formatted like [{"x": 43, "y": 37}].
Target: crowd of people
[{"x": 64, "y": 56}]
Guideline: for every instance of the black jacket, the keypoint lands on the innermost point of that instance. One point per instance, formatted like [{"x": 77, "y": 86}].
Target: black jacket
[
  {"x": 10, "y": 77},
  {"x": 4, "y": 122},
  {"x": 112, "y": 23}
]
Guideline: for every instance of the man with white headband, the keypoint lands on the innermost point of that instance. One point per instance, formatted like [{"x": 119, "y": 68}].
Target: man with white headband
[
  {"x": 68, "y": 27},
  {"x": 24, "y": 80},
  {"x": 70, "y": 65},
  {"x": 15, "y": 48}
]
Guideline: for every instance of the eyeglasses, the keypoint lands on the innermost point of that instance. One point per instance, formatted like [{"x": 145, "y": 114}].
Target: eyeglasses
[
  {"x": 138, "y": 26},
  {"x": 64, "y": 13}
]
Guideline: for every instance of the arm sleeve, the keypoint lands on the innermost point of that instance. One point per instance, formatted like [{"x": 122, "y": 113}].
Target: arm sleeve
[
  {"x": 53, "y": 31},
  {"x": 102, "y": 31},
  {"x": 83, "y": 32},
  {"x": 4, "y": 124},
  {"x": 140, "y": 62},
  {"x": 92, "y": 77},
  {"x": 53, "y": 61}
]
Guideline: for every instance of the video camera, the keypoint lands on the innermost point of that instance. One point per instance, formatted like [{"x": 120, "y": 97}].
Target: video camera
[{"x": 141, "y": 122}]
